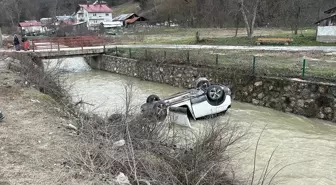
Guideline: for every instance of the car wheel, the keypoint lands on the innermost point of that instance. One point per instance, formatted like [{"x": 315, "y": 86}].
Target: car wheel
[
  {"x": 160, "y": 110},
  {"x": 215, "y": 95},
  {"x": 202, "y": 83},
  {"x": 152, "y": 98}
]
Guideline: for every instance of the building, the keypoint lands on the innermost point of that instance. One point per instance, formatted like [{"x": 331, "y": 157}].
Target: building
[
  {"x": 326, "y": 28},
  {"x": 130, "y": 19},
  {"x": 65, "y": 20},
  {"x": 30, "y": 27},
  {"x": 93, "y": 14}
]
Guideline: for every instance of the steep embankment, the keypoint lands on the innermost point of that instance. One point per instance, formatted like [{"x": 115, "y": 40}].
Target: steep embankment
[{"x": 33, "y": 139}]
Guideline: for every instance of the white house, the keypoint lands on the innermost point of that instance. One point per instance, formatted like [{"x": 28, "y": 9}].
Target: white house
[
  {"x": 326, "y": 29},
  {"x": 30, "y": 27},
  {"x": 94, "y": 14}
]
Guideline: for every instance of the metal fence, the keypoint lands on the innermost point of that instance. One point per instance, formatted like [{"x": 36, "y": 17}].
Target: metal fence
[
  {"x": 50, "y": 43},
  {"x": 276, "y": 64}
]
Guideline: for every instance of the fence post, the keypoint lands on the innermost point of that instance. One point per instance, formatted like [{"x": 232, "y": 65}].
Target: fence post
[
  {"x": 188, "y": 56},
  {"x": 116, "y": 51},
  {"x": 58, "y": 46},
  {"x": 146, "y": 54},
  {"x": 303, "y": 68},
  {"x": 217, "y": 59},
  {"x": 130, "y": 53},
  {"x": 165, "y": 55},
  {"x": 51, "y": 46},
  {"x": 33, "y": 44},
  {"x": 254, "y": 65}
]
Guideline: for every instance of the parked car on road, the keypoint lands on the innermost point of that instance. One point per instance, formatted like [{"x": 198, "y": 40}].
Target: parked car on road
[{"x": 204, "y": 100}]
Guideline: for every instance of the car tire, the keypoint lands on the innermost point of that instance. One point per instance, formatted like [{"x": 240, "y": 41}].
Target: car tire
[
  {"x": 152, "y": 98},
  {"x": 160, "y": 110},
  {"x": 215, "y": 95},
  {"x": 202, "y": 83}
]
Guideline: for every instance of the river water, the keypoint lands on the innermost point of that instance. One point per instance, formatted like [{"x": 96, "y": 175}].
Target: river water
[{"x": 308, "y": 146}]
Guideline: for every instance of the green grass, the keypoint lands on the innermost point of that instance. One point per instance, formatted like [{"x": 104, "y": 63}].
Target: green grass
[{"x": 212, "y": 36}]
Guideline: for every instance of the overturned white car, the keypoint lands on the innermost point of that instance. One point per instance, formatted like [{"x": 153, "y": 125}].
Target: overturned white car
[{"x": 204, "y": 100}]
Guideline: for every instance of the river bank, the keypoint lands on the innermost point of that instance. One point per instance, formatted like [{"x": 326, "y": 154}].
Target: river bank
[
  {"x": 32, "y": 135},
  {"x": 35, "y": 137}
]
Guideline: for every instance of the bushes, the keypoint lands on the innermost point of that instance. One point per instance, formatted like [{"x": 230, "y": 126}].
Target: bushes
[{"x": 154, "y": 152}]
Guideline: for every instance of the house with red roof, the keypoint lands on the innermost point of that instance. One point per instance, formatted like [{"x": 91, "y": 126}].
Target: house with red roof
[
  {"x": 93, "y": 14},
  {"x": 30, "y": 27}
]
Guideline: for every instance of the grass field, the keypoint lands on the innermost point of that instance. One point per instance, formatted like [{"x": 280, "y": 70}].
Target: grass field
[
  {"x": 320, "y": 66},
  {"x": 213, "y": 36}
]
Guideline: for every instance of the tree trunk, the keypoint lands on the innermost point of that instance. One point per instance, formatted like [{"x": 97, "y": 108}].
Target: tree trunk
[
  {"x": 237, "y": 25},
  {"x": 255, "y": 10},
  {"x": 297, "y": 21},
  {"x": 168, "y": 20},
  {"x": 247, "y": 25}
]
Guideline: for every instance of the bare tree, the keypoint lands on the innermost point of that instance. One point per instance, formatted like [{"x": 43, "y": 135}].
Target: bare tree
[{"x": 249, "y": 16}]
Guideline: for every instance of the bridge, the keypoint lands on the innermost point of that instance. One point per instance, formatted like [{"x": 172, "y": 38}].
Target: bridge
[{"x": 53, "y": 47}]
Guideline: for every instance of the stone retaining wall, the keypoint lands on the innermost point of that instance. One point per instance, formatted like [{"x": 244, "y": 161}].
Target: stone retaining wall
[{"x": 289, "y": 95}]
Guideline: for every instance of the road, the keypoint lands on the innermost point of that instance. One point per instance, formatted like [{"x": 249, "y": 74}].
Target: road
[{"x": 259, "y": 48}]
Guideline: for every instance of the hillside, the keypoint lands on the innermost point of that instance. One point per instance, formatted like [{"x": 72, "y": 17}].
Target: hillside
[{"x": 129, "y": 7}]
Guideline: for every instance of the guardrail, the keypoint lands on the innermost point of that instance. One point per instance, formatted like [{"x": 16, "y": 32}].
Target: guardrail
[{"x": 69, "y": 42}]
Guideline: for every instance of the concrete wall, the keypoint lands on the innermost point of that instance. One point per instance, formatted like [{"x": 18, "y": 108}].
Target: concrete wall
[
  {"x": 300, "y": 97},
  {"x": 326, "y": 34}
]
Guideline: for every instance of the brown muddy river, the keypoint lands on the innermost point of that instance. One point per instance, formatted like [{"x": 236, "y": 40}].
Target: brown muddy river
[{"x": 308, "y": 146}]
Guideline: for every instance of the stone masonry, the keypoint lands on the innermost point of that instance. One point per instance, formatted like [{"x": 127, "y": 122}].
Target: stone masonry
[{"x": 310, "y": 99}]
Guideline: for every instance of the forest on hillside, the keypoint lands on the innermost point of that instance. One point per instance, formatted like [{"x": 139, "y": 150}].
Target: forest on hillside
[{"x": 189, "y": 13}]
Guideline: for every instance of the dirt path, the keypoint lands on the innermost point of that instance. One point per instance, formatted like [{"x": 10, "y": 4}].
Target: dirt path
[{"x": 32, "y": 139}]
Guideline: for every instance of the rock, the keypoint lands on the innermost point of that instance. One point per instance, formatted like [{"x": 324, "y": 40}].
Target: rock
[
  {"x": 257, "y": 84},
  {"x": 161, "y": 69},
  {"x": 288, "y": 109},
  {"x": 328, "y": 110},
  {"x": 287, "y": 88},
  {"x": 255, "y": 102},
  {"x": 115, "y": 118},
  {"x": 9, "y": 59},
  {"x": 254, "y": 94},
  {"x": 300, "y": 103},
  {"x": 306, "y": 93},
  {"x": 270, "y": 88},
  {"x": 250, "y": 88},
  {"x": 122, "y": 179},
  {"x": 292, "y": 104},
  {"x": 119, "y": 143},
  {"x": 320, "y": 115},
  {"x": 71, "y": 127},
  {"x": 321, "y": 89},
  {"x": 260, "y": 96}
]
